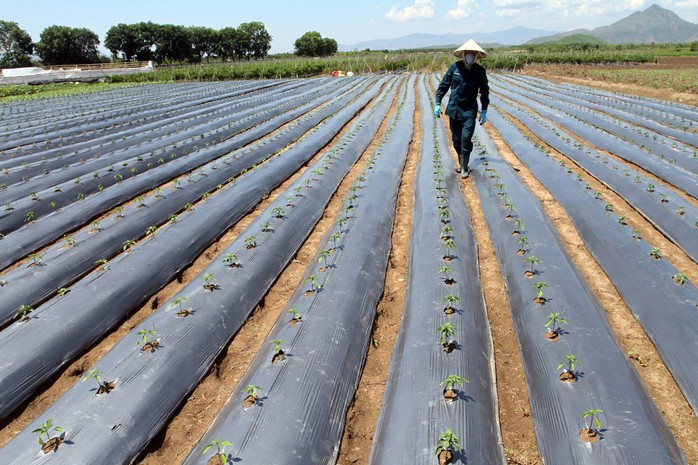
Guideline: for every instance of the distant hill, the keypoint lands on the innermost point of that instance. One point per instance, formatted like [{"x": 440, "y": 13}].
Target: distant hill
[
  {"x": 653, "y": 25},
  {"x": 576, "y": 39},
  {"x": 513, "y": 36}
]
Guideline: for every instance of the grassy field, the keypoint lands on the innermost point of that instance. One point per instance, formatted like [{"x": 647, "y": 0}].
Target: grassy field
[
  {"x": 671, "y": 67},
  {"x": 667, "y": 74}
]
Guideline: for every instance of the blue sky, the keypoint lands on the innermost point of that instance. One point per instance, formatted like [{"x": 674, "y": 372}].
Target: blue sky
[{"x": 346, "y": 21}]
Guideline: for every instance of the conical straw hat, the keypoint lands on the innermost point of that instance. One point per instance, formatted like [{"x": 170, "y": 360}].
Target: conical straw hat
[{"x": 470, "y": 46}]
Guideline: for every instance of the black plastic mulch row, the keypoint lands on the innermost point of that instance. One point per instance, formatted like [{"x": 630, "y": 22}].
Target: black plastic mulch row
[
  {"x": 60, "y": 265},
  {"x": 684, "y": 116},
  {"x": 305, "y": 397},
  {"x": 660, "y": 206},
  {"x": 657, "y": 143},
  {"x": 672, "y": 174},
  {"x": 643, "y": 117},
  {"x": 413, "y": 410},
  {"x": 632, "y": 431},
  {"x": 141, "y": 147},
  {"x": 123, "y": 117},
  {"x": 665, "y": 308},
  {"x": 43, "y": 230},
  {"x": 24, "y": 117},
  {"x": 112, "y": 428}
]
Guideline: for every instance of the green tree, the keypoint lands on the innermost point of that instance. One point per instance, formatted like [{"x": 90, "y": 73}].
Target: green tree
[
  {"x": 255, "y": 39},
  {"x": 204, "y": 43},
  {"x": 121, "y": 40},
  {"x": 60, "y": 45},
  {"x": 15, "y": 45},
  {"x": 172, "y": 43},
  {"x": 229, "y": 44},
  {"x": 313, "y": 44},
  {"x": 131, "y": 41},
  {"x": 146, "y": 35}
]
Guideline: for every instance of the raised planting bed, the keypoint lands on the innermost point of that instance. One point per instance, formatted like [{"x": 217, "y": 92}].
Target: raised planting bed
[
  {"x": 60, "y": 266},
  {"x": 584, "y": 370},
  {"x": 430, "y": 390},
  {"x": 306, "y": 390},
  {"x": 192, "y": 328},
  {"x": 664, "y": 307}
]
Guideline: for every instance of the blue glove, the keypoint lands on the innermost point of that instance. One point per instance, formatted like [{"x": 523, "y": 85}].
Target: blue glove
[
  {"x": 437, "y": 110},
  {"x": 483, "y": 117}
]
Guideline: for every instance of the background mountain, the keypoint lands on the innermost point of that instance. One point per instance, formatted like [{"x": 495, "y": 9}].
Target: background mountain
[
  {"x": 513, "y": 36},
  {"x": 655, "y": 24}
]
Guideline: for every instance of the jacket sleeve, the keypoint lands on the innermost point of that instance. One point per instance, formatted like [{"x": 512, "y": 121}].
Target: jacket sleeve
[
  {"x": 444, "y": 85},
  {"x": 484, "y": 91}
]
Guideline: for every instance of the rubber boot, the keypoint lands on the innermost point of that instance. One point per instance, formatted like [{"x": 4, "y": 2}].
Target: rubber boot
[{"x": 463, "y": 166}]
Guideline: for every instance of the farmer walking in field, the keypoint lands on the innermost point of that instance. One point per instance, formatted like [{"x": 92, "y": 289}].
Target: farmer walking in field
[{"x": 465, "y": 77}]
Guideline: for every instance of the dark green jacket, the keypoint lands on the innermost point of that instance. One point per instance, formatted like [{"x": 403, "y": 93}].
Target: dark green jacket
[{"x": 464, "y": 84}]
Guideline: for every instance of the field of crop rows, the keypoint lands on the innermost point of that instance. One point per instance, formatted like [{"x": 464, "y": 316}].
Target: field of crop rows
[{"x": 291, "y": 272}]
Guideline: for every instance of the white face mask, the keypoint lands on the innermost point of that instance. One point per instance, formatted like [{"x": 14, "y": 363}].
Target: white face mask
[{"x": 469, "y": 57}]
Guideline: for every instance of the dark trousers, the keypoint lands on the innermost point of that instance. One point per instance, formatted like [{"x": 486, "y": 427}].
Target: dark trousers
[{"x": 462, "y": 137}]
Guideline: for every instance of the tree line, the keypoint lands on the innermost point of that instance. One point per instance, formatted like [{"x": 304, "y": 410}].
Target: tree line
[{"x": 145, "y": 41}]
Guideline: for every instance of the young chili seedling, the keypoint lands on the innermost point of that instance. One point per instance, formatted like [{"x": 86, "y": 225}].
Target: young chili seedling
[
  {"x": 450, "y": 246},
  {"x": 450, "y": 300},
  {"x": 448, "y": 444},
  {"x": 334, "y": 238},
  {"x": 220, "y": 454},
  {"x": 278, "y": 212},
  {"x": 209, "y": 282},
  {"x": 103, "y": 387},
  {"x": 450, "y": 383},
  {"x": 231, "y": 260},
  {"x": 250, "y": 242},
  {"x": 252, "y": 390},
  {"x": 22, "y": 313},
  {"x": 278, "y": 351},
  {"x": 446, "y": 232},
  {"x": 51, "y": 443},
  {"x": 592, "y": 425},
  {"x": 539, "y": 287},
  {"x": 533, "y": 261},
  {"x": 552, "y": 331},
  {"x": 445, "y": 331},
  {"x": 324, "y": 256},
  {"x": 34, "y": 259},
  {"x": 523, "y": 245},
  {"x": 314, "y": 286},
  {"x": 148, "y": 345},
  {"x": 295, "y": 316},
  {"x": 568, "y": 373},
  {"x": 128, "y": 244},
  {"x": 680, "y": 278},
  {"x": 183, "y": 312}
]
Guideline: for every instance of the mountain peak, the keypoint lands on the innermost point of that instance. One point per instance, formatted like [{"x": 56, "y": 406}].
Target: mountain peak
[{"x": 653, "y": 25}]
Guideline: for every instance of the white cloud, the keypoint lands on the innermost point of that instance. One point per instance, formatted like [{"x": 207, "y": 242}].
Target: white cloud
[
  {"x": 507, "y": 12},
  {"x": 514, "y": 8},
  {"x": 683, "y": 4},
  {"x": 516, "y": 4},
  {"x": 686, "y": 9},
  {"x": 463, "y": 9},
  {"x": 582, "y": 10},
  {"x": 422, "y": 9}
]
